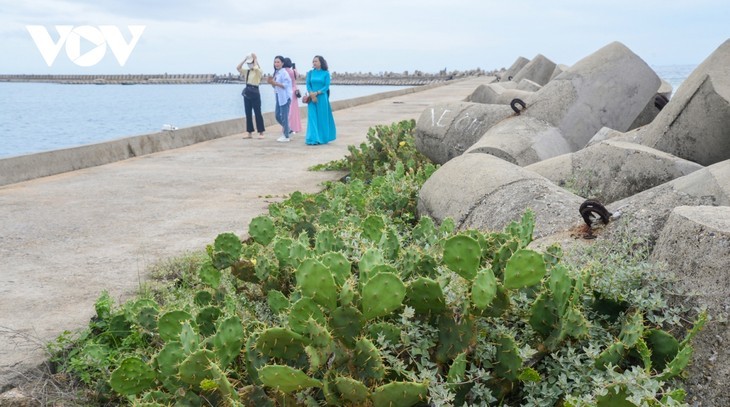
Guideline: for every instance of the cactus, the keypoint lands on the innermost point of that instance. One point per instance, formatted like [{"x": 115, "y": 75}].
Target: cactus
[
  {"x": 462, "y": 255},
  {"x": 286, "y": 379},
  {"x": 277, "y": 301},
  {"x": 206, "y": 320},
  {"x": 298, "y": 252},
  {"x": 170, "y": 324},
  {"x": 315, "y": 280},
  {"x": 368, "y": 362},
  {"x": 390, "y": 244},
  {"x": 369, "y": 259},
  {"x": 457, "y": 369},
  {"x": 390, "y": 332},
  {"x": 282, "y": 251},
  {"x": 611, "y": 355},
  {"x": 664, "y": 347},
  {"x": 188, "y": 338},
  {"x": 678, "y": 364},
  {"x": 632, "y": 330},
  {"x": 321, "y": 346},
  {"x": 399, "y": 394},
  {"x": 227, "y": 390},
  {"x": 327, "y": 241},
  {"x": 262, "y": 230},
  {"x": 561, "y": 288},
  {"x": 544, "y": 315},
  {"x": 167, "y": 362},
  {"x": 348, "y": 293},
  {"x": 255, "y": 396},
  {"x": 382, "y": 294},
  {"x": 229, "y": 340},
  {"x": 133, "y": 376},
  {"x": 373, "y": 227},
  {"x": 523, "y": 269},
  {"x": 351, "y": 390},
  {"x": 425, "y": 296},
  {"x": 245, "y": 270},
  {"x": 484, "y": 288},
  {"x": 425, "y": 231},
  {"x": 226, "y": 251},
  {"x": 504, "y": 253},
  {"x": 339, "y": 266},
  {"x": 346, "y": 322},
  {"x": 196, "y": 367},
  {"x": 454, "y": 337},
  {"x": 508, "y": 363},
  {"x": 281, "y": 343},
  {"x": 147, "y": 318},
  {"x": 300, "y": 313},
  {"x": 202, "y": 298}
]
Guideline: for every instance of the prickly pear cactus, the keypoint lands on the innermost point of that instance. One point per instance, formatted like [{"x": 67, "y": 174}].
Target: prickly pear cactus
[
  {"x": 373, "y": 227},
  {"x": 133, "y": 376},
  {"x": 300, "y": 313},
  {"x": 425, "y": 296},
  {"x": 351, "y": 390},
  {"x": 523, "y": 269},
  {"x": 262, "y": 230},
  {"x": 206, "y": 320},
  {"x": 286, "y": 379},
  {"x": 462, "y": 255},
  {"x": 170, "y": 324},
  {"x": 399, "y": 394},
  {"x": 315, "y": 281},
  {"x": 382, "y": 294},
  {"x": 196, "y": 367},
  {"x": 484, "y": 288},
  {"x": 509, "y": 362},
  {"x": 226, "y": 250},
  {"x": 346, "y": 322},
  {"x": 368, "y": 361},
  {"x": 167, "y": 362},
  {"x": 229, "y": 340},
  {"x": 339, "y": 266},
  {"x": 277, "y": 301},
  {"x": 281, "y": 343}
]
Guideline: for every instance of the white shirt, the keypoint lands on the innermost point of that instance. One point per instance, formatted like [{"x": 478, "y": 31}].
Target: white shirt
[{"x": 283, "y": 95}]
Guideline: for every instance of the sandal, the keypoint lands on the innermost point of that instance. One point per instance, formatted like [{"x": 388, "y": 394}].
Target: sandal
[
  {"x": 261, "y": 135},
  {"x": 247, "y": 137}
]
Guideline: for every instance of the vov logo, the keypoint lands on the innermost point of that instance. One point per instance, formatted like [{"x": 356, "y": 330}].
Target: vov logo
[{"x": 101, "y": 37}]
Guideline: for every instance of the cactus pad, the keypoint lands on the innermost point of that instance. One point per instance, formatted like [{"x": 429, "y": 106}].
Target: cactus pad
[
  {"x": 346, "y": 322},
  {"x": 262, "y": 230},
  {"x": 382, "y": 295},
  {"x": 368, "y": 361},
  {"x": 133, "y": 376},
  {"x": 484, "y": 288},
  {"x": 170, "y": 324},
  {"x": 300, "y": 313},
  {"x": 462, "y": 255},
  {"x": 523, "y": 269},
  {"x": 352, "y": 390},
  {"x": 339, "y": 266},
  {"x": 399, "y": 394},
  {"x": 425, "y": 296},
  {"x": 286, "y": 379},
  {"x": 229, "y": 340},
  {"x": 315, "y": 281},
  {"x": 196, "y": 367},
  {"x": 281, "y": 343}
]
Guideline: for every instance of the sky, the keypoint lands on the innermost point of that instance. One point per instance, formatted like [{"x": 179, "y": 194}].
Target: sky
[{"x": 202, "y": 37}]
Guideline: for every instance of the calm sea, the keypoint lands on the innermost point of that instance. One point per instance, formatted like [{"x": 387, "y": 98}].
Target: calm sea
[{"x": 36, "y": 117}]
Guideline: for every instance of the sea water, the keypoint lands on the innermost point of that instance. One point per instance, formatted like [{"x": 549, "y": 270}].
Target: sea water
[{"x": 37, "y": 117}]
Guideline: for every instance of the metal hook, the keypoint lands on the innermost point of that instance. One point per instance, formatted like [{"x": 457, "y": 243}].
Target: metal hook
[
  {"x": 517, "y": 101},
  {"x": 591, "y": 206}
]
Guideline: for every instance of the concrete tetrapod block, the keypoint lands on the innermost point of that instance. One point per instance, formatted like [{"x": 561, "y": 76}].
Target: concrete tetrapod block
[
  {"x": 483, "y": 192},
  {"x": 496, "y": 94},
  {"x": 613, "y": 170},
  {"x": 608, "y": 88},
  {"x": 528, "y": 85},
  {"x": 695, "y": 245},
  {"x": 559, "y": 68},
  {"x": 539, "y": 70},
  {"x": 695, "y": 124},
  {"x": 447, "y": 131},
  {"x": 654, "y": 106},
  {"x": 650, "y": 209},
  {"x": 516, "y": 66}
]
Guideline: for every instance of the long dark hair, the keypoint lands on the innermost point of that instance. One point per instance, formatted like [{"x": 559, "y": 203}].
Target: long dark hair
[
  {"x": 322, "y": 63},
  {"x": 287, "y": 63},
  {"x": 280, "y": 58}
]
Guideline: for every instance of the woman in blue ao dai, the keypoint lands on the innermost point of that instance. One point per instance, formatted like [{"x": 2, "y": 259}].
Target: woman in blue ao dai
[{"x": 320, "y": 122}]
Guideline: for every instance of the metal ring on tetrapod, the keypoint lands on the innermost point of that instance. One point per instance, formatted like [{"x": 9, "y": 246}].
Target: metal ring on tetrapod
[
  {"x": 660, "y": 101},
  {"x": 591, "y": 206},
  {"x": 517, "y": 101}
]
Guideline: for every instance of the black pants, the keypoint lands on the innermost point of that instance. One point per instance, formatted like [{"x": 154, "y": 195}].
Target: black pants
[{"x": 252, "y": 102}]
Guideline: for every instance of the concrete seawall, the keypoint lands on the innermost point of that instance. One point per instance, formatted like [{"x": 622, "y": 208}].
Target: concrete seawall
[{"x": 31, "y": 166}]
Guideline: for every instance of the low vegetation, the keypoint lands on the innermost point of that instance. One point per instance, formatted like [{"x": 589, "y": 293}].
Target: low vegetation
[{"x": 347, "y": 297}]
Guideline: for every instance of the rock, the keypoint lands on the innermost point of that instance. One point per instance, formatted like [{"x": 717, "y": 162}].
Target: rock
[
  {"x": 15, "y": 398},
  {"x": 695, "y": 245},
  {"x": 447, "y": 131},
  {"x": 539, "y": 70},
  {"x": 613, "y": 170},
  {"x": 519, "y": 63}
]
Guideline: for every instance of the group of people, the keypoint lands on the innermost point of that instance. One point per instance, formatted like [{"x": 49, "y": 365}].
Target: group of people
[{"x": 320, "y": 121}]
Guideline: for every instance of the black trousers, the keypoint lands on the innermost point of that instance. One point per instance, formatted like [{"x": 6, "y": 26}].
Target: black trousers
[{"x": 252, "y": 103}]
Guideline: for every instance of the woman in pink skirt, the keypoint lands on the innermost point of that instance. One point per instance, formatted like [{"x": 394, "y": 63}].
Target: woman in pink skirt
[{"x": 295, "y": 121}]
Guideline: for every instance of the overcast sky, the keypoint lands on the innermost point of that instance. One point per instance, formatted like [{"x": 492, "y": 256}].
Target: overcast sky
[{"x": 196, "y": 36}]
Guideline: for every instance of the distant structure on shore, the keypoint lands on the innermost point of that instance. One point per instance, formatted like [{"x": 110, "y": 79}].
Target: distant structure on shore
[{"x": 384, "y": 78}]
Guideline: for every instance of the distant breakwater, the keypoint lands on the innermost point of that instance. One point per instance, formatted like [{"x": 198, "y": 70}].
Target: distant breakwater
[{"x": 180, "y": 79}]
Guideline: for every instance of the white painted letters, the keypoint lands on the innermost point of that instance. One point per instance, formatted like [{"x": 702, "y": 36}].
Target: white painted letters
[{"x": 71, "y": 36}]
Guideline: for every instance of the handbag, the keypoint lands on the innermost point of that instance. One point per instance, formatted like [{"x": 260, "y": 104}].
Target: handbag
[
  {"x": 297, "y": 93},
  {"x": 250, "y": 92}
]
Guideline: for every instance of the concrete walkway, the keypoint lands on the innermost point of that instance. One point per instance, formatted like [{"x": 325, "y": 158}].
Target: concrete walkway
[{"x": 66, "y": 238}]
